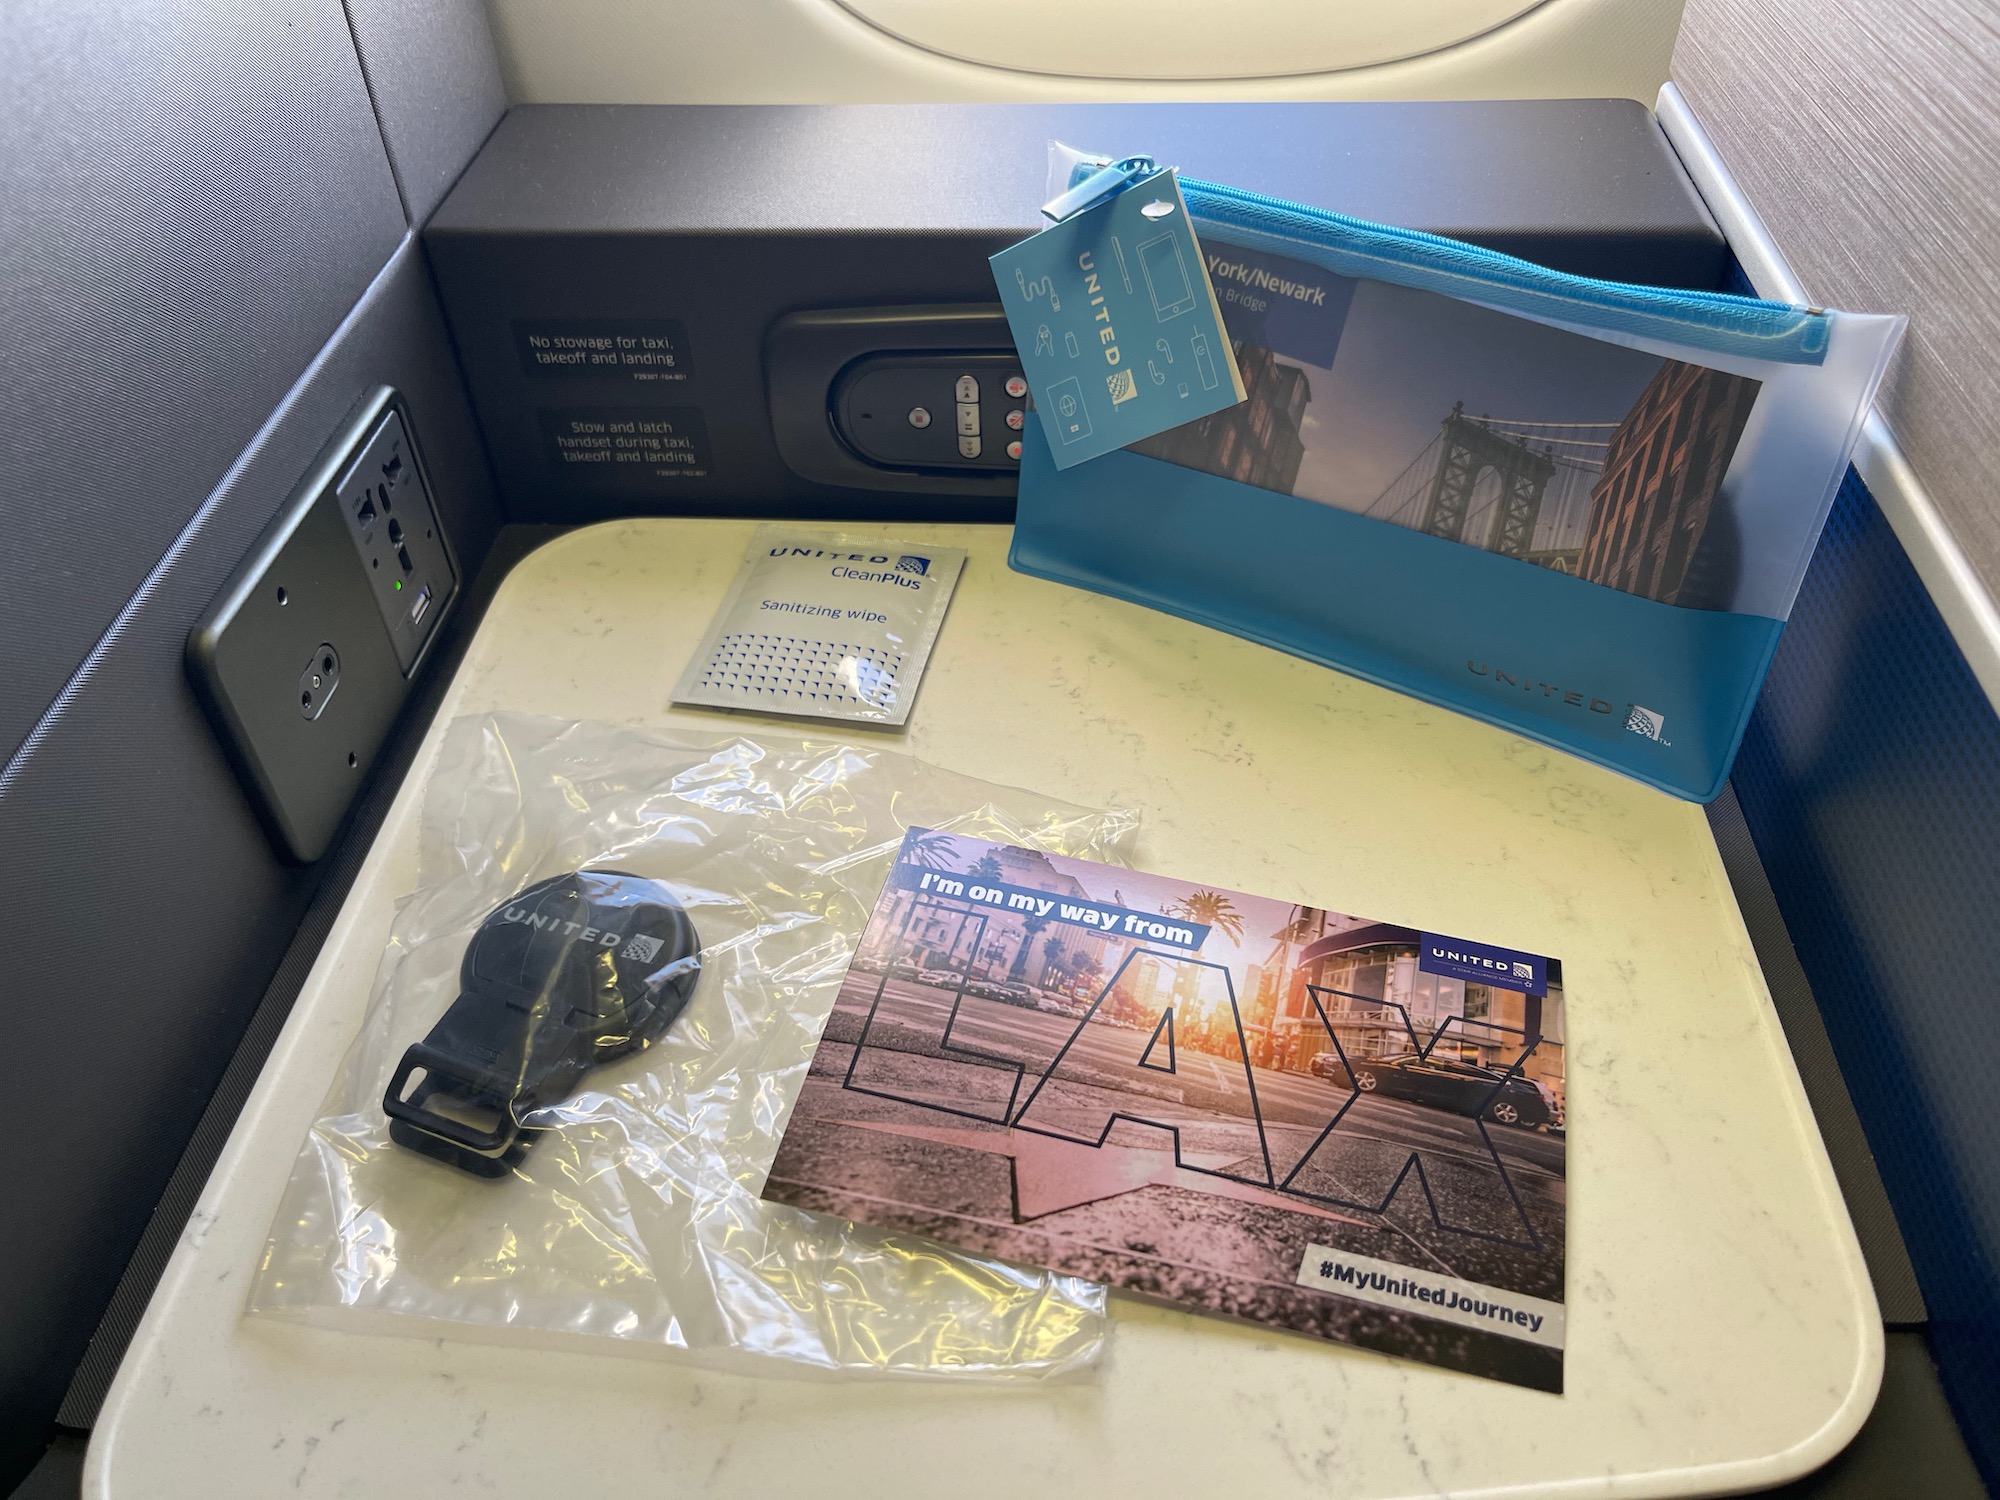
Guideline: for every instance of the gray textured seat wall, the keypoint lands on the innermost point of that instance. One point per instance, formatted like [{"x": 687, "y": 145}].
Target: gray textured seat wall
[{"x": 206, "y": 255}]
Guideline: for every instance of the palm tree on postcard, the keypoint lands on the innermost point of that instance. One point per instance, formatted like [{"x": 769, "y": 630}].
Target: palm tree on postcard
[
  {"x": 1210, "y": 909},
  {"x": 934, "y": 851}
]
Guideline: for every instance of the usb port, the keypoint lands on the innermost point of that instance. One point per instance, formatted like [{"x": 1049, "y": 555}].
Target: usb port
[{"x": 418, "y": 609}]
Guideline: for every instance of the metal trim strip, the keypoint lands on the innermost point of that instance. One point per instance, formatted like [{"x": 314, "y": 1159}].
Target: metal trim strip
[{"x": 1955, "y": 588}]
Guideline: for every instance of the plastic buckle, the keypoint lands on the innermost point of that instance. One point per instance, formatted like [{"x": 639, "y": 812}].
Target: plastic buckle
[
  {"x": 566, "y": 976},
  {"x": 1111, "y": 177}
]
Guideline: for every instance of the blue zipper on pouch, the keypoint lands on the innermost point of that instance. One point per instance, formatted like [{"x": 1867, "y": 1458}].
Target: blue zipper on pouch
[{"x": 1713, "y": 322}]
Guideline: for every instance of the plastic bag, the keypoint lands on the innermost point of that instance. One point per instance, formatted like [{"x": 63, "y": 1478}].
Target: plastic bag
[{"x": 634, "y": 1222}]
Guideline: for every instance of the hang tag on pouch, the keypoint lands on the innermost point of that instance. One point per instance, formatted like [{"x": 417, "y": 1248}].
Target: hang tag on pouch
[{"x": 1114, "y": 318}]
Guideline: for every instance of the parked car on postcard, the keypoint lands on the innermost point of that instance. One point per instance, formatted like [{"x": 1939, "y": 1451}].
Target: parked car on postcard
[{"x": 1461, "y": 1087}]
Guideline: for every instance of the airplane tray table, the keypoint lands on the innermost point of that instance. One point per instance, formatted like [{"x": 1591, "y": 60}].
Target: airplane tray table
[{"x": 1722, "y": 1331}]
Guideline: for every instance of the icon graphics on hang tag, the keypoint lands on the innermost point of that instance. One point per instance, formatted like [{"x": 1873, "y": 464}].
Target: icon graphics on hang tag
[
  {"x": 1041, "y": 286},
  {"x": 1124, "y": 274},
  {"x": 1072, "y": 420},
  {"x": 1045, "y": 342},
  {"x": 1166, "y": 277},
  {"x": 1072, "y": 347},
  {"x": 1204, "y": 362}
]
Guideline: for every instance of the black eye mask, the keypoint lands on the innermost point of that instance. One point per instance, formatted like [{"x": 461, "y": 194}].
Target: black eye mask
[{"x": 566, "y": 976}]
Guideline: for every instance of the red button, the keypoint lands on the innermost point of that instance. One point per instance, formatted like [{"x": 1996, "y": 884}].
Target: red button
[
  {"x": 1014, "y": 448},
  {"x": 1015, "y": 418},
  {"x": 1016, "y": 387}
]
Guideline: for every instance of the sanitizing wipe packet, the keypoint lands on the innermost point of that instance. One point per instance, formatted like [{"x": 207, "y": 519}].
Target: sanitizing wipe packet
[{"x": 825, "y": 625}]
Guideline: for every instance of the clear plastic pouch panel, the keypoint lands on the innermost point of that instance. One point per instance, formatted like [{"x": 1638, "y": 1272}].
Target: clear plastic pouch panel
[
  {"x": 634, "y": 1217},
  {"x": 1683, "y": 446}
]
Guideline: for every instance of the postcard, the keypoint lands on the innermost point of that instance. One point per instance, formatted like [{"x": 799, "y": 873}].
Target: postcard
[{"x": 1348, "y": 1129}]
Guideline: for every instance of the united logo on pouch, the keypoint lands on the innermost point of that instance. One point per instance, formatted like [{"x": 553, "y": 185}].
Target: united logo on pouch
[
  {"x": 909, "y": 564},
  {"x": 1645, "y": 721}
]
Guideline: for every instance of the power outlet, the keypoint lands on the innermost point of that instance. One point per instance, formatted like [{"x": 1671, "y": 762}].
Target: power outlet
[
  {"x": 387, "y": 505},
  {"x": 303, "y": 659},
  {"x": 317, "y": 680}
]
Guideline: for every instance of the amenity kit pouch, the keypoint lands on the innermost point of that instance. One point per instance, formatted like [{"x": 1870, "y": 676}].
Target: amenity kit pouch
[
  {"x": 1579, "y": 510},
  {"x": 717, "y": 887}
]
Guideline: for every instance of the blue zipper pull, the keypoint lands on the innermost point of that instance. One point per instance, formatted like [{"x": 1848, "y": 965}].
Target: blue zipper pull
[{"x": 1113, "y": 177}]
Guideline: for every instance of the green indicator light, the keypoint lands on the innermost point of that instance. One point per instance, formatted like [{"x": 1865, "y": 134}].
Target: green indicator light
[{"x": 399, "y": 585}]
